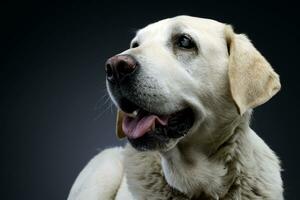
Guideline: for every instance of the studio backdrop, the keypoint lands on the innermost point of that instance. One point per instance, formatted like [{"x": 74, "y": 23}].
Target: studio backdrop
[{"x": 55, "y": 110}]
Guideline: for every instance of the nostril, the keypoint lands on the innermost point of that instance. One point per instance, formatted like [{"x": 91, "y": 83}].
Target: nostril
[
  {"x": 108, "y": 70},
  {"x": 124, "y": 67}
]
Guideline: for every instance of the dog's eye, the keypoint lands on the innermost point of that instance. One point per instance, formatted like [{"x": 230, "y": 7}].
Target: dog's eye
[
  {"x": 135, "y": 44},
  {"x": 184, "y": 41}
]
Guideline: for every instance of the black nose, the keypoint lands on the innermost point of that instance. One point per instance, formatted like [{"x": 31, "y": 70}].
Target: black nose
[{"x": 117, "y": 67}]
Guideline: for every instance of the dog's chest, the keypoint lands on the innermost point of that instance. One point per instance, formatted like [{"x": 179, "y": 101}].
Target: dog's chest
[{"x": 145, "y": 177}]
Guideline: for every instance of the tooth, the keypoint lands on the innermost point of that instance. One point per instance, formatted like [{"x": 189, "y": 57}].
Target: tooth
[{"x": 133, "y": 114}]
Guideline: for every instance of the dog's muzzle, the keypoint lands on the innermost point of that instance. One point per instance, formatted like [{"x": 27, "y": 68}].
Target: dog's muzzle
[{"x": 145, "y": 128}]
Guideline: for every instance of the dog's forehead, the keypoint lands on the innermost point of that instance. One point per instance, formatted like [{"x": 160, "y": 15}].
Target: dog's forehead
[{"x": 169, "y": 25}]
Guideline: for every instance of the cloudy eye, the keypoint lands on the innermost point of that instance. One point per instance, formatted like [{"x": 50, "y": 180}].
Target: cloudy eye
[
  {"x": 185, "y": 42},
  {"x": 135, "y": 44}
]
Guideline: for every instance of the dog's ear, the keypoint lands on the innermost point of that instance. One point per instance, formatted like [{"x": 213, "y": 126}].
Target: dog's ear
[
  {"x": 119, "y": 131},
  {"x": 252, "y": 79}
]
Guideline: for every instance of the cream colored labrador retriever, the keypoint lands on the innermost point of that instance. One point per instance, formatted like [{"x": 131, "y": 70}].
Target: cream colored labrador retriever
[{"x": 185, "y": 90}]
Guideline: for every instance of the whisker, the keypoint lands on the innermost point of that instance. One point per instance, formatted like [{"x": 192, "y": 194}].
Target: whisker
[
  {"x": 100, "y": 103},
  {"x": 102, "y": 112},
  {"x": 111, "y": 108}
]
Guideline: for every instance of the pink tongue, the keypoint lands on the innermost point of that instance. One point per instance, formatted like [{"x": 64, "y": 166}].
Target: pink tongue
[{"x": 139, "y": 126}]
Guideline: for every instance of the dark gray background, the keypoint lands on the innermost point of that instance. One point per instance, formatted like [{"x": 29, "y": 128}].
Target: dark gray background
[{"x": 52, "y": 77}]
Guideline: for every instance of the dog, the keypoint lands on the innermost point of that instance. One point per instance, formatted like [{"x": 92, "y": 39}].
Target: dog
[{"x": 185, "y": 91}]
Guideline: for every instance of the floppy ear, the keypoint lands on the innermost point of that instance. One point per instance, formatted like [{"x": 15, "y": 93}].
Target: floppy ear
[
  {"x": 119, "y": 130},
  {"x": 252, "y": 79}
]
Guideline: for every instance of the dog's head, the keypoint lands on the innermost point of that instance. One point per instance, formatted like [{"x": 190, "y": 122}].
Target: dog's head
[{"x": 183, "y": 73}]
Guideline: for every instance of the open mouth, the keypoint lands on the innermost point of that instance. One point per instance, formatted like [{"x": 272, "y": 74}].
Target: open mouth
[{"x": 146, "y": 130}]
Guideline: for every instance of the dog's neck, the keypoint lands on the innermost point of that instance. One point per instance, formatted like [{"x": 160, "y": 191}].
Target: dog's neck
[{"x": 197, "y": 166}]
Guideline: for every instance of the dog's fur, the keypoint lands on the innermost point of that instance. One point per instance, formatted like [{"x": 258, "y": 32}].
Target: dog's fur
[{"x": 221, "y": 157}]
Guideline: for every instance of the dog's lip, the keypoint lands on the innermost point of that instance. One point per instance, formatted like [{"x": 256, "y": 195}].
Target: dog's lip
[
  {"x": 179, "y": 124},
  {"x": 137, "y": 125},
  {"x": 128, "y": 106},
  {"x": 132, "y": 109},
  {"x": 138, "y": 122}
]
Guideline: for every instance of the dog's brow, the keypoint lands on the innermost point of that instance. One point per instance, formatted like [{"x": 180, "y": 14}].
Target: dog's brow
[
  {"x": 177, "y": 27},
  {"x": 137, "y": 36},
  {"x": 133, "y": 41},
  {"x": 138, "y": 33}
]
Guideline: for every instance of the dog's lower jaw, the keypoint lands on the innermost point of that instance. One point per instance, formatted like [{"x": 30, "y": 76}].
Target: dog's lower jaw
[{"x": 234, "y": 170}]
